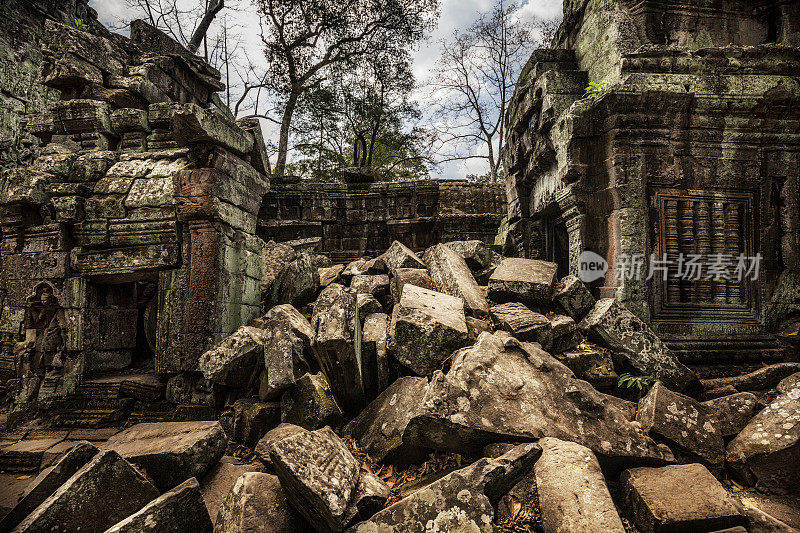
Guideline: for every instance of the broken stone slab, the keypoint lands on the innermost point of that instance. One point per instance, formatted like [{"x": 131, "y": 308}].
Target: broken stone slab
[
  {"x": 463, "y": 500},
  {"x": 574, "y": 297},
  {"x": 284, "y": 358},
  {"x": 233, "y": 361},
  {"x": 788, "y": 384},
  {"x": 426, "y": 328},
  {"x": 297, "y": 283},
  {"x": 319, "y": 475},
  {"x": 528, "y": 281},
  {"x": 190, "y": 388},
  {"x": 400, "y": 256},
  {"x": 762, "y": 379},
  {"x": 219, "y": 481},
  {"x": 501, "y": 389},
  {"x": 523, "y": 323},
  {"x": 274, "y": 258},
  {"x": 249, "y": 419},
  {"x": 299, "y": 324},
  {"x": 590, "y": 363},
  {"x": 476, "y": 254},
  {"x": 330, "y": 275},
  {"x": 379, "y": 428},
  {"x": 767, "y": 451},
  {"x": 191, "y": 124},
  {"x": 334, "y": 323},
  {"x": 476, "y": 326},
  {"x": 171, "y": 452},
  {"x": 376, "y": 285},
  {"x": 734, "y": 411},
  {"x": 682, "y": 421},
  {"x": 179, "y": 509},
  {"x": 573, "y": 495},
  {"x": 452, "y": 276},
  {"x": 565, "y": 333},
  {"x": 374, "y": 360},
  {"x": 102, "y": 492},
  {"x": 631, "y": 340},
  {"x": 26, "y": 455},
  {"x": 281, "y": 432},
  {"x": 47, "y": 482},
  {"x": 678, "y": 498},
  {"x": 367, "y": 304},
  {"x": 310, "y": 403},
  {"x": 370, "y": 496},
  {"x": 761, "y": 522},
  {"x": 257, "y": 504},
  {"x": 414, "y": 276}
]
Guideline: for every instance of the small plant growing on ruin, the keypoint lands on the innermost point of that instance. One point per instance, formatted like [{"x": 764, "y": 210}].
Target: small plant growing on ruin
[
  {"x": 641, "y": 383},
  {"x": 79, "y": 24},
  {"x": 594, "y": 89}
]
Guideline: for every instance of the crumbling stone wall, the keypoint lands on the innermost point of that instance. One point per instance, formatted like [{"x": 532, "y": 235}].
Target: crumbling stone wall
[
  {"x": 21, "y": 30},
  {"x": 139, "y": 216},
  {"x": 353, "y": 220},
  {"x": 690, "y": 148}
]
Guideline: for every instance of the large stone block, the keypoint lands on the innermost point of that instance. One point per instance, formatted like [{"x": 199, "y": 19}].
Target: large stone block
[
  {"x": 319, "y": 475},
  {"x": 523, "y": 323},
  {"x": 380, "y": 426},
  {"x": 574, "y": 297},
  {"x": 249, "y": 419},
  {"x": 179, "y": 509},
  {"x": 100, "y": 494},
  {"x": 767, "y": 451},
  {"x": 171, "y": 452},
  {"x": 528, "y": 281},
  {"x": 501, "y": 389},
  {"x": 257, "y": 504},
  {"x": 678, "y": 498},
  {"x": 426, "y": 327},
  {"x": 400, "y": 256},
  {"x": 297, "y": 283},
  {"x": 734, "y": 411},
  {"x": 683, "y": 421},
  {"x": 475, "y": 253},
  {"x": 310, "y": 403},
  {"x": 233, "y": 361},
  {"x": 414, "y": 276},
  {"x": 573, "y": 495},
  {"x": 633, "y": 342},
  {"x": 192, "y": 124},
  {"x": 452, "y": 276}
]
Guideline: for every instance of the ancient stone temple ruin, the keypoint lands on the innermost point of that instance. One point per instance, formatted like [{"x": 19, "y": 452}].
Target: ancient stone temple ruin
[
  {"x": 690, "y": 148},
  {"x": 190, "y": 344},
  {"x": 130, "y": 238}
]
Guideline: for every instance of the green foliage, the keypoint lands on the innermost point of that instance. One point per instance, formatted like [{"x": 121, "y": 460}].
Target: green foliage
[
  {"x": 594, "y": 89},
  {"x": 79, "y": 24},
  {"x": 641, "y": 383}
]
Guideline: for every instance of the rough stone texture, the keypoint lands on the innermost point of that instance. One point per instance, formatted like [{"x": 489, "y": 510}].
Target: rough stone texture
[
  {"x": 376, "y": 285},
  {"x": 477, "y": 255},
  {"x": 274, "y": 258},
  {"x": 101, "y": 493},
  {"x": 249, "y": 419},
  {"x": 678, "y": 498},
  {"x": 572, "y": 490},
  {"x": 334, "y": 323},
  {"x": 299, "y": 324},
  {"x": 379, "y": 428},
  {"x": 788, "y": 383},
  {"x": 274, "y": 435},
  {"x": 529, "y": 395},
  {"x": 683, "y": 421},
  {"x": 426, "y": 327},
  {"x": 734, "y": 411},
  {"x": 171, "y": 452},
  {"x": 179, "y": 509},
  {"x": 523, "y": 280},
  {"x": 47, "y": 482},
  {"x": 297, "y": 283},
  {"x": 414, "y": 276},
  {"x": 284, "y": 356},
  {"x": 767, "y": 451},
  {"x": 523, "y": 323},
  {"x": 452, "y": 276},
  {"x": 219, "y": 481},
  {"x": 400, "y": 256},
  {"x": 310, "y": 403},
  {"x": 366, "y": 219},
  {"x": 319, "y": 476},
  {"x": 233, "y": 361},
  {"x": 565, "y": 333},
  {"x": 633, "y": 342},
  {"x": 461, "y": 501},
  {"x": 762, "y": 379},
  {"x": 330, "y": 275},
  {"x": 374, "y": 356},
  {"x": 370, "y": 496},
  {"x": 257, "y": 504},
  {"x": 574, "y": 297}
]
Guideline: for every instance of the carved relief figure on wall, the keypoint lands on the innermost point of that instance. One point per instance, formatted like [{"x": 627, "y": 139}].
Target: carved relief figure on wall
[{"x": 42, "y": 349}]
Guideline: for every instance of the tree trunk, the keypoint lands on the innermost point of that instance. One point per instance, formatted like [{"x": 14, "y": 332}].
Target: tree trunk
[
  {"x": 200, "y": 33},
  {"x": 283, "y": 140}
]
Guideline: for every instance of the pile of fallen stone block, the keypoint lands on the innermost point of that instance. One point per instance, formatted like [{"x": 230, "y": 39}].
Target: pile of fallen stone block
[{"x": 386, "y": 362}]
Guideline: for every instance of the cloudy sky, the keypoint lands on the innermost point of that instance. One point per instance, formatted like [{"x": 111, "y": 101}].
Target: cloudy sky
[{"x": 455, "y": 15}]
